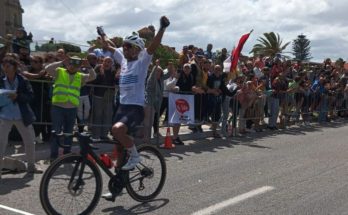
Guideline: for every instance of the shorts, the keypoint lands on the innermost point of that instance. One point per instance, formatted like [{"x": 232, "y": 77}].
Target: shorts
[{"x": 131, "y": 115}]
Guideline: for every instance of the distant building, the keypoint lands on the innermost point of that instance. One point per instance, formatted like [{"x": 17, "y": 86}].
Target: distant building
[{"x": 10, "y": 16}]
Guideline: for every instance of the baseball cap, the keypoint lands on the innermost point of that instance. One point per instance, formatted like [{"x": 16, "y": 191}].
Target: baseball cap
[{"x": 75, "y": 60}]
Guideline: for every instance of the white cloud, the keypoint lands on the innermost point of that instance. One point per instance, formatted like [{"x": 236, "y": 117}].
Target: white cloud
[{"x": 220, "y": 22}]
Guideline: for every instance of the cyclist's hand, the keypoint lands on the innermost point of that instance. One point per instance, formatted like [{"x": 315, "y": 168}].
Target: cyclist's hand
[{"x": 164, "y": 23}]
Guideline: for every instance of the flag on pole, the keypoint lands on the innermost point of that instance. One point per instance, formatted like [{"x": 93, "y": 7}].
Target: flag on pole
[{"x": 236, "y": 51}]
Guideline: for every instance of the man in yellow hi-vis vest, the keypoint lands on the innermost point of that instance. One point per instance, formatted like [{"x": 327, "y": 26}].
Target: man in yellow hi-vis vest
[{"x": 66, "y": 97}]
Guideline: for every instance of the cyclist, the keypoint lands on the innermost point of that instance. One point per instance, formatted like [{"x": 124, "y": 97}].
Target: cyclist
[{"x": 134, "y": 59}]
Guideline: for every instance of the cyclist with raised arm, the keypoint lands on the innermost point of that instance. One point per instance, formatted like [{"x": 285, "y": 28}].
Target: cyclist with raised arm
[{"x": 134, "y": 59}]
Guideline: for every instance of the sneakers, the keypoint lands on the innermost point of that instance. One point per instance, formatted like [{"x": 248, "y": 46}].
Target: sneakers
[
  {"x": 157, "y": 135},
  {"x": 33, "y": 169},
  {"x": 131, "y": 163},
  {"x": 108, "y": 197},
  {"x": 38, "y": 140},
  {"x": 177, "y": 141}
]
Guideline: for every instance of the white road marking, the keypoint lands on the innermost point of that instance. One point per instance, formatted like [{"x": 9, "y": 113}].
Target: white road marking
[
  {"x": 219, "y": 206},
  {"x": 15, "y": 210}
]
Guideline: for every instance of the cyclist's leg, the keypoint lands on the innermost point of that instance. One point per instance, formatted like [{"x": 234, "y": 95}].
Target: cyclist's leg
[
  {"x": 119, "y": 131},
  {"x": 128, "y": 118},
  {"x": 119, "y": 155}
]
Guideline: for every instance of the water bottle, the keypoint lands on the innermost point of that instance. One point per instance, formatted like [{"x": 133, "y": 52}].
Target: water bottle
[{"x": 106, "y": 160}]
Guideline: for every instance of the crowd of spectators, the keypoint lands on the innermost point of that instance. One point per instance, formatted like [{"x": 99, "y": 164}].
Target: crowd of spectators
[{"x": 274, "y": 88}]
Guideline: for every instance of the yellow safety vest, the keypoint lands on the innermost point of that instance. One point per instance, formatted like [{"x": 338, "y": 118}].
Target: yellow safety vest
[{"x": 66, "y": 91}]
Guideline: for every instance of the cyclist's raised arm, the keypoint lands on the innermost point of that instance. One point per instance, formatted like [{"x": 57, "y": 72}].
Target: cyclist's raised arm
[{"x": 164, "y": 23}]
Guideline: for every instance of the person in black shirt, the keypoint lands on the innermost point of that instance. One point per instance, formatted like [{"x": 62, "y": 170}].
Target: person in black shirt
[{"x": 217, "y": 90}]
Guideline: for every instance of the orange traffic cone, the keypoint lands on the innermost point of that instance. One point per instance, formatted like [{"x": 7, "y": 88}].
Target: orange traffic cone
[{"x": 168, "y": 143}]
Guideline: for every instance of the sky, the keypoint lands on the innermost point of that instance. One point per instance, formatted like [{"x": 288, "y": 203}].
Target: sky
[{"x": 220, "y": 22}]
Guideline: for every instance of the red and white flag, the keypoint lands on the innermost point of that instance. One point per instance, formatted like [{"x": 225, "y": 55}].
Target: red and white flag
[{"x": 236, "y": 51}]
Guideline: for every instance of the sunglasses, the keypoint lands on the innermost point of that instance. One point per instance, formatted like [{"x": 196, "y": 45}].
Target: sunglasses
[
  {"x": 128, "y": 46},
  {"x": 75, "y": 62}
]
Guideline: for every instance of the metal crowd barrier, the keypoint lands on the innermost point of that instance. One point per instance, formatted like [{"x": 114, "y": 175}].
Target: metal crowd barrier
[{"x": 292, "y": 109}]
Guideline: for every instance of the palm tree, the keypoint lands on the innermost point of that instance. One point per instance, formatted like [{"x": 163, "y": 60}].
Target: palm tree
[{"x": 270, "y": 45}]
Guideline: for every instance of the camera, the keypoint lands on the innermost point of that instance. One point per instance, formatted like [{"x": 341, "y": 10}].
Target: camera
[{"x": 100, "y": 30}]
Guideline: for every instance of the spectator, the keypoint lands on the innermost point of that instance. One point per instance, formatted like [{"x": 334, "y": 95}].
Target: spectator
[
  {"x": 66, "y": 92},
  {"x": 39, "y": 104},
  {"x": 246, "y": 97},
  {"x": 208, "y": 53},
  {"x": 92, "y": 59},
  {"x": 61, "y": 55},
  {"x": 304, "y": 99},
  {"x": 185, "y": 83},
  {"x": 199, "y": 89},
  {"x": 153, "y": 100},
  {"x": 103, "y": 51},
  {"x": 323, "y": 103},
  {"x": 279, "y": 87},
  {"x": 21, "y": 40},
  {"x": 220, "y": 59},
  {"x": 49, "y": 58},
  {"x": 17, "y": 112},
  {"x": 24, "y": 57},
  {"x": 183, "y": 57},
  {"x": 217, "y": 90},
  {"x": 103, "y": 96},
  {"x": 233, "y": 87},
  {"x": 2, "y": 55},
  {"x": 276, "y": 68},
  {"x": 257, "y": 69},
  {"x": 267, "y": 87},
  {"x": 169, "y": 86},
  {"x": 84, "y": 109}
]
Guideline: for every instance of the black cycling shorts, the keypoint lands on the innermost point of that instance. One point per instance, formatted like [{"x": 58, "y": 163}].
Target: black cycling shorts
[{"x": 131, "y": 115}]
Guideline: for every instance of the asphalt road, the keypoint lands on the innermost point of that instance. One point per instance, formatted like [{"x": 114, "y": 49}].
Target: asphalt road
[{"x": 301, "y": 170}]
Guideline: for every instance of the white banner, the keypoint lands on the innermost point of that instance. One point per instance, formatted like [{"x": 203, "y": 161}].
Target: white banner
[{"x": 181, "y": 109}]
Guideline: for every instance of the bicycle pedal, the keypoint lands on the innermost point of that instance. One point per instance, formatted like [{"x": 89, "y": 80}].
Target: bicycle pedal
[{"x": 109, "y": 197}]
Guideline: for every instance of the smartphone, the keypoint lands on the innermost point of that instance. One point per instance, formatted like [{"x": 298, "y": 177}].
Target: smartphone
[{"x": 100, "y": 30}]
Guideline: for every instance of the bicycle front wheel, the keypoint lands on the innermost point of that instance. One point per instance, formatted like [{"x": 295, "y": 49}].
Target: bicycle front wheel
[
  {"x": 147, "y": 179},
  {"x": 71, "y": 185}
]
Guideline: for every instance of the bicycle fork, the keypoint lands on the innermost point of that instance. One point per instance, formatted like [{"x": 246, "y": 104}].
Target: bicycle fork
[{"x": 77, "y": 184}]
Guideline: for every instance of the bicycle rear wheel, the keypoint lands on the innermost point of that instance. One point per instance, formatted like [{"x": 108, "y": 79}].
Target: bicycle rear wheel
[
  {"x": 71, "y": 185},
  {"x": 146, "y": 180}
]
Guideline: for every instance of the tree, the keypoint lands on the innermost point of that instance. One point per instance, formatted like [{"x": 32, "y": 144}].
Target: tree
[
  {"x": 270, "y": 45},
  {"x": 301, "y": 48},
  {"x": 49, "y": 47}
]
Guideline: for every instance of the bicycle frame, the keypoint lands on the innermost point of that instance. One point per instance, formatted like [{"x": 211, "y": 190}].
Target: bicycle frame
[{"x": 86, "y": 149}]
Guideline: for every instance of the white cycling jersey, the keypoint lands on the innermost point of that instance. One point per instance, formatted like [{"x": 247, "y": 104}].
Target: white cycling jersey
[{"x": 132, "y": 78}]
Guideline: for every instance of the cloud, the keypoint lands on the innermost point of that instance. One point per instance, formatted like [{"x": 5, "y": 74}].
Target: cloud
[{"x": 220, "y": 22}]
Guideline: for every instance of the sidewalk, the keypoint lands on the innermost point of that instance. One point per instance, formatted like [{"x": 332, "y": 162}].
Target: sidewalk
[{"x": 16, "y": 149}]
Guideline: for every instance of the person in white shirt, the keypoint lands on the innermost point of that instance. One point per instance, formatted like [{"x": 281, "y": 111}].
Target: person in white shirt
[
  {"x": 134, "y": 60},
  {"x": 169, "y": 86}
]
